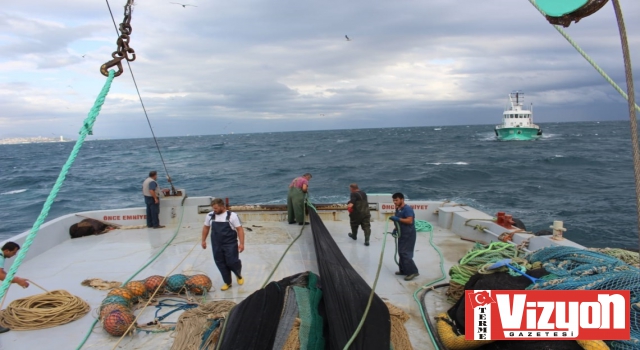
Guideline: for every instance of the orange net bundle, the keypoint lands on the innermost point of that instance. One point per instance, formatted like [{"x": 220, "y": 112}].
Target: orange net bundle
[
  {"x": 154, "y": 282},
  {"x": 117, "y": 322},
  {"x": 137, "y": 289},
  {"x": 199, "y": 284}
]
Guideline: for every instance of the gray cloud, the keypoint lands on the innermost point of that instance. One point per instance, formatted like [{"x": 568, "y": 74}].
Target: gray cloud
[{"x": 281, "y": 65}]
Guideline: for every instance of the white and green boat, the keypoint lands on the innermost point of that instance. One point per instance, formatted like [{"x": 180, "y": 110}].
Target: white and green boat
[{"x": 517, "y": 122}]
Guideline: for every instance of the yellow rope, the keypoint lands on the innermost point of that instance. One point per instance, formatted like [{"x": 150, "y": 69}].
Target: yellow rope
[{"x": 44, "y": 310}]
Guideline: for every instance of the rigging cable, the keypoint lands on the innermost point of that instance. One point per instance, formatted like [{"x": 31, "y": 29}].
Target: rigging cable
[
  {"x": 629, "y": 96},
  {"x": 115, "y": 26},
  {"x": 587, "y": 57}
]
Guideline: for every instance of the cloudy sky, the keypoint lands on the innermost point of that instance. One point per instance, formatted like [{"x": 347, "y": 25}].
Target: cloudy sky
[{"x": 251, "y": 66}]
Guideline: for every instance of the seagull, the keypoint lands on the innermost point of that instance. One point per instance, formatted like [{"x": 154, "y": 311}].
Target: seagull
[
  {"x": 347, "y": 38},
  {"x": 183, "y": 5},
  {"x": 84, "y": 55}
]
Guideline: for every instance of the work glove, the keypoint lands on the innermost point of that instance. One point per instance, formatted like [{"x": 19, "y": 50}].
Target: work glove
[{"x": 394, "y": 218}]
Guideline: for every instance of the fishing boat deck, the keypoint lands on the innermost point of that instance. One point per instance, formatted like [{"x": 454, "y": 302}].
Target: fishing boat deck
[{"x": 116, "y": 255}]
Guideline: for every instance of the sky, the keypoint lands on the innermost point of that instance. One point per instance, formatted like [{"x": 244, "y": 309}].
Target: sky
[{"x": 263, "y": 66}]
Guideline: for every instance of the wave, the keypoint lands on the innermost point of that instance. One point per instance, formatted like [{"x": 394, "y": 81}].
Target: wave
[
  {"x": 14, "y": 192},
  {"x": 456, "y": 163}
]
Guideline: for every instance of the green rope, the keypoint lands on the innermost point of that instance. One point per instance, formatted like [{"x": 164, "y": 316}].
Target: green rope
[
  {"x": 480, "y": 256},
  {"x": 93, "y": 325},
  {"x": 289, "y": 246},
  {"x": 423, "y": 226},
  {"x": 282, "y": 257},
  {"x": 373, "y": 289},
  {"x": 395, "y": 238},
  {"x": 415, "y": 294},
  {"x": 584, "y": 54},
  {"x": 87, "y": 128}
]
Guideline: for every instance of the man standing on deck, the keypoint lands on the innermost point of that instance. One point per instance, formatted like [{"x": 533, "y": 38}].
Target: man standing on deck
[
  {"x": 406, "y": 218},
  {"x": 8, "y": 251},
  {"x": 359, "y": 214},
  {"x": 150, "y": 191},
  {"x": 226, "y": 229},
  {"x": 295, "y": 199}
]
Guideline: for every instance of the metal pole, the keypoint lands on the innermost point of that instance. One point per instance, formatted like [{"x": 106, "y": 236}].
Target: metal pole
[{"x": 632, "y": 110}]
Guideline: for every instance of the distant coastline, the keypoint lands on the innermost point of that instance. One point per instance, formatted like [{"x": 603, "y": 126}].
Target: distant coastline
[{"x": 39, "y": 139}]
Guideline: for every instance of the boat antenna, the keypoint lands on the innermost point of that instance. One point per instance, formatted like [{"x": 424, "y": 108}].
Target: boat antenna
[
  {"x": 588, "y": 9},
  {"x": 124, "y": 52}
]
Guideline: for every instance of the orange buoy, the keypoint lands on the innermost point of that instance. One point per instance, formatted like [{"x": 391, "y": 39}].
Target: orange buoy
[
  {"x": 137, "y": 289},
  {"x": 105, "y": 310},
  {"x": 199, "y": 284},
  {"x": 154, "y": 282},
  {"x": 117, "y": 322}
]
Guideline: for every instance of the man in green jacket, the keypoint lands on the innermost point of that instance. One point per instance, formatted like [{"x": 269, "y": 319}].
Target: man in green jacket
[
  {"x": 295, "y": 199},
  {"x": 359, "y": 214}
]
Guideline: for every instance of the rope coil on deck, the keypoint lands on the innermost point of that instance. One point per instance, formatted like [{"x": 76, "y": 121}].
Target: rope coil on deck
[{"x": 44, "y": 310}]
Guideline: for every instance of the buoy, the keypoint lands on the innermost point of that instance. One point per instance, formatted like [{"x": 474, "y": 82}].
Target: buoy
[
  {"x": 137, "y": 289},
  {"x": 123, "y": 292},
  {"x": 176, "y": 283},
  {"x": 115, "y": 299},
  {"x": 154, "y": 282},
  {"x": 116, "y": 309},
  {"x": 107, "y": 309},
  {"x": 199, "y": 284},
  {"x": 117, "y": 322}
]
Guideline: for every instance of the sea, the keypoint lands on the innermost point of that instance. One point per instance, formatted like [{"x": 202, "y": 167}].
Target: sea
[{"x": 578, "y": 173}]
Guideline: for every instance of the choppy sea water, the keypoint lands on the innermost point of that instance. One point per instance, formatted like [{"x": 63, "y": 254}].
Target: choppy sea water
[{"x": 580, "y": 173}]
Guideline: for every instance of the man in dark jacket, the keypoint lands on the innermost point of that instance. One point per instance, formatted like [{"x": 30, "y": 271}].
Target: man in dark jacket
[{"x": 359, "y": 213}]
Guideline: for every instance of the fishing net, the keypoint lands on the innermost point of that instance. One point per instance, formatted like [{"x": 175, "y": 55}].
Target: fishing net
[
  {"x": 105, "y": 310},
  {"x": 199, "y": 284},
  {"x": 345, "y": 296},
  {"x": 153, "y": 283},
  {"x": 121, "y": 292},
  {"x": 631, "y": 258},
  {"x": 258, "y": 315},
  {"x": 305, "y": 312},
  {"x": 310, "y": 332},
  {"x": 579, "y": 269},
  {"x": 137, "y": 289},
  {"x": 176, "y": 283},
  {"x": 199, "y": 328},
  {"x": 117, "y": 322}
]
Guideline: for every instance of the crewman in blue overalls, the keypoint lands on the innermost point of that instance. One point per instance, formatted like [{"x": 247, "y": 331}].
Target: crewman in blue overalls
[
  {"x": 226, "y": 230},
  {"x": 407, "y": 241}
]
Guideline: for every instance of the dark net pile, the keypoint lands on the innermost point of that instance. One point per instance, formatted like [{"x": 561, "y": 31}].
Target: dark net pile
[
  {"x": 252, "y": 324},
  {"x": 345, "y": 296},
  {"x": 336, "y": 302}
]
